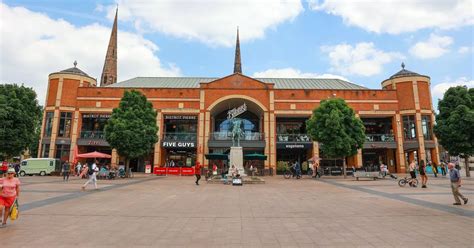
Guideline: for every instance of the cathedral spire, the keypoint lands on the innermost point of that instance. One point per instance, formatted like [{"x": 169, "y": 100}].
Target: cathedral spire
[
  {"x": 237, "y": 61},
  {"x": 109, "y": 72}
]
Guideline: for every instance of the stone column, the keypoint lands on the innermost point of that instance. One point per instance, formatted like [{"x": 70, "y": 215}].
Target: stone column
[
  {"x": 157, "y": 150},
  {"x": 75, "y": 134},
  {"x": 421, "y": 139},
  {"x": 207, "y": 127},
  {"x": 400, "y": 153},
  {"x": 272, "y": 149},
  {"x": 54, "y": 134},
  {"x": 200, "y": 145},
  {"x": 115, "y": 158},
  {"x": 266, "y": 130}
]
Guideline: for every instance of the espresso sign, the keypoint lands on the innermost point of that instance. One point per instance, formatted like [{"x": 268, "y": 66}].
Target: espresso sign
[
  {"x": 231, "y": 114},
  {"x": 178, "y": 144}
]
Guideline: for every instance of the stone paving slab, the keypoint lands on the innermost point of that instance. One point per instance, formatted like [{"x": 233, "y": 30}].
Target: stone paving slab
[{"x": 149, "y": 211}]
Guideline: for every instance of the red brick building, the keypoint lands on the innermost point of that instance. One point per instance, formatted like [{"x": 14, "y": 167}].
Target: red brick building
[{"x": 192, "y": 116}]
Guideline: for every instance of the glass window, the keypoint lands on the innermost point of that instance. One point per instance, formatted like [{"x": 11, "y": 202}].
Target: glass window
[
  {"x": 426, "y": 127},
  {"x": 250, "y": 122},
  {"x": 93, "y": 125},
  {"x": 177, "y": 127},
  {"x": 65, "y": 125},
  {"x": 62, "y": 152},
  {"x": 45, "y": 151},
  {"x": 48, "y": 125},
  {"x": 409, "y": 127}
]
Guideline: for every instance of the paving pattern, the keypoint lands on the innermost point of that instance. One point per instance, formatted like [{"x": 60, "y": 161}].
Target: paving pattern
[{"x": 150, "y": 211}]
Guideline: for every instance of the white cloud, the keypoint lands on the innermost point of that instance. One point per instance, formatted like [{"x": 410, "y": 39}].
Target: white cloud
[
  {"x": 362, "y": 59},
  {"x": 34, "y": 45},
  {"x": 211, "y": 22},
  {"x": 395, "y": 16},
  {"x": 438, "y": 90},
  {"x": 293, "y": 73},
  {"x": 465, "y": 49},
  {"x": 434, "y": 47}
]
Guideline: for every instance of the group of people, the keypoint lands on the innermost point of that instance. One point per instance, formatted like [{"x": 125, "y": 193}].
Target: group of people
[{"x": 454, "y": 177}]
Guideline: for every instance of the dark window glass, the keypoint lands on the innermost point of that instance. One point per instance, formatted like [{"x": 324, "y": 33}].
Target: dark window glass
[
  {"x": 48, "y": 125},
  {"x": 250, "y": 122},
  {"x": 426, "y": 127},
  {"x": 65, "y": 125},
  {"x": 45, "y": 151},
  {"x": 62, "y": 152},
  {"x": 409, "y": 127}
]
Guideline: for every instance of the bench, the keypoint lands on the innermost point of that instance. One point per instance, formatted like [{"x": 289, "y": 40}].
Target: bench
[{"x": 364, "y": 174}]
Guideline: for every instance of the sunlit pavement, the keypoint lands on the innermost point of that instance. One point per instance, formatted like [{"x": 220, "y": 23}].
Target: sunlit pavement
[{"x": 174, "y": 212}]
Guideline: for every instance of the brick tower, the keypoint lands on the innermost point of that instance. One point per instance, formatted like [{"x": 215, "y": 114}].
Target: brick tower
[{"x": 109, "y": 72}]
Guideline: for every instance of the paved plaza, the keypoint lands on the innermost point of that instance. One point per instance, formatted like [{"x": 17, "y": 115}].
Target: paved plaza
[{"x": 151, "y": 211}]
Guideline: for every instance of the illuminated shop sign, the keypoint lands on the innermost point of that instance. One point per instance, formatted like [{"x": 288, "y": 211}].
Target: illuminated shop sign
[
  {"x": 180, "y": 117},
  {"x": 294, "y": 146},
  {"x": 178, "y": 144},
  {"x": 231, "y": 114}
]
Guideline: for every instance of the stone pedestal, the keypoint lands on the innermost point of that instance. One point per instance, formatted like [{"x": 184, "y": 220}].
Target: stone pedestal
[{"x": 236, "y": 158}]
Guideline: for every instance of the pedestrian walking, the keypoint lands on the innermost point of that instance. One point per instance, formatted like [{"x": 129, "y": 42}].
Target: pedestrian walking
[
  {"x": 78, "y": 168},
  {"x": 455, "y": 178},
  {"x": 443, "y": 168},
  {"x": 92, "y": 172},
  {"x": 424, "y": 177},
  {"x": 435, "y": 168},
  {"x": 298, "y": 170},
  {"x": 412, "y": 169},
  {"x": 197, "y": 172},
  {"x": 17, "y": 169},
  {"x": 66, "y": 170},
  {"x": 10, "y": 187}
]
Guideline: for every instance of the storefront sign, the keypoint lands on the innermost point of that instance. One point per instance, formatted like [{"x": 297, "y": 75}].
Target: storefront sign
[
  {"x": 180, "y": 117},
  {"x": 96, "y": 116},
  {"x": 183, "y": 171},
  {"x": 231, "y": 114},
  {"x": 294, "y": 146},
  {"x": 178, "y": 144},
  {"x": 92, "y": 142}
]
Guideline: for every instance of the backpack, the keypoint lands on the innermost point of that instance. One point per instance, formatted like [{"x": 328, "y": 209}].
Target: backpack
[{"x": 90, "y": 171}]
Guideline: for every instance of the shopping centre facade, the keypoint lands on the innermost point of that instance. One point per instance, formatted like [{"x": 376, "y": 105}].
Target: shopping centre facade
[{"x": 192, "y": 116}]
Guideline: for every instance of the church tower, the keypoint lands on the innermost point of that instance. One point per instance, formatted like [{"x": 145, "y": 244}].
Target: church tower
[
  {"x": 109, "y": 72},
  {"x": 237, "y": 59}
]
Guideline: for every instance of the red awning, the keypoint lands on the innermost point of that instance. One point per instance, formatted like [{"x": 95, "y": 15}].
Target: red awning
[{"x": 94, "y": 155}]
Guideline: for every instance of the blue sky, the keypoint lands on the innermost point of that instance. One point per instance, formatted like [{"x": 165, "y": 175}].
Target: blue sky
[{"x": 363, "y": 42}]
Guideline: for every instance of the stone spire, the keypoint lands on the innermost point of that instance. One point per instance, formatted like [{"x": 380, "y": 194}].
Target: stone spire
[
  {"x": 237, "y": 61},
  {"x": 109, "y": 72}
]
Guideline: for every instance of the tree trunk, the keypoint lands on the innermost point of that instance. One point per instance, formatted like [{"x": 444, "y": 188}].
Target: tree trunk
[
  {"x": 466, "y": 166},
  {"x": 127, "y": 166},
  {"x": 344, "y": 167}
]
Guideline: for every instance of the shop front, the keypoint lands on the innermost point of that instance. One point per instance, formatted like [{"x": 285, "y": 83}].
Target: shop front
[{"x": 179, "y": 142}]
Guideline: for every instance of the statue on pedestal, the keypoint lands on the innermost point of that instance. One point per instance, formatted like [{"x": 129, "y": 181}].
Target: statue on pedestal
[{"x": 237, "y": 132}]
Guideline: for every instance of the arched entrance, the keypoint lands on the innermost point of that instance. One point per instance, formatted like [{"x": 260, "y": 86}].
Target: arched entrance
[{"x": 251, "y": 113}]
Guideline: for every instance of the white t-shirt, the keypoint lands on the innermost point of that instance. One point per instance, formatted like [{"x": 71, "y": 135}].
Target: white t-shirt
[{"x": 94, "y": 168}]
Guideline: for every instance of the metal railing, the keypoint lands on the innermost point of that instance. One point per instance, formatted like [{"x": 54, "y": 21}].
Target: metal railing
[
  {"x": 247, "y": 136},
  {"x": 301, "y": 137},
  {"x": 92, "y": 134},
  {"x": 379, "y": 138},
  {"x": 179, "y": 137}
]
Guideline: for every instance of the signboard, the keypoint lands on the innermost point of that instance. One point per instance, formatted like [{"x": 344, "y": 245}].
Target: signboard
[
  {"x": 187, "y": 171},
  {"x": 173, "y": 171},
  {"x": 94, "y": 116},
  {"x": 231, "y": 114},
  {"x": 178, "y": 144},
  {"x": 180, "y": 117},
  {"x": 148, "y": 168},
  {"x": 294, "y": 145},
  {"x": 160, "y": 171}
]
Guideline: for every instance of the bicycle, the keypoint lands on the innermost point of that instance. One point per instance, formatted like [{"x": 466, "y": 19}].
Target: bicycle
[
  {"x": 310, "y": 173},
  {"x": 290, "y": 173},
  {"x": 411, "y": 181}
]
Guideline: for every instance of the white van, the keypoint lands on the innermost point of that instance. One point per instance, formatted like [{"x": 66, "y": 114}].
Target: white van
[{"x": 39, "y": 166}]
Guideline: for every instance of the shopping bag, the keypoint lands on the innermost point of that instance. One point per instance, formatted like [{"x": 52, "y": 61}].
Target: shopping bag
[{"x": 14, "y": 211}]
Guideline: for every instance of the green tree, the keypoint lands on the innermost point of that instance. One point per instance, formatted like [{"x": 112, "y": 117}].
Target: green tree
[
  {"x": 33, "y": 146},
  {"x": 19, "y": 114},
  {"x": 132, "y": 127},
  {"x": 455, "y": 122},
  {"x": 335, "y": 126}
]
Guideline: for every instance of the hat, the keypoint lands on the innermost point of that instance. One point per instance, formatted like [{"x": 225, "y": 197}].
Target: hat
[{"x": 11, "y": 170}]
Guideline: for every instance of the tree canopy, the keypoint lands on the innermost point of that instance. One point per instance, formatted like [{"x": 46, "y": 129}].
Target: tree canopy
[
  {"x": 336, "y": 127},
  {"x": 132, "y": 128},
  {"x": 20, "y": 114},
  {"x": 455, "y": 121}
]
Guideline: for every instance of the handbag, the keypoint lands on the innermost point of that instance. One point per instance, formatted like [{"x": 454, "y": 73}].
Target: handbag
[{"x": 14, "y": 211}]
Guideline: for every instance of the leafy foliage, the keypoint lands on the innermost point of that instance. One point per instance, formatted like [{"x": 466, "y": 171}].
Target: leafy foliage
[
  {"x": 132, "y": 127},
  {"x": 19, "y": 118},
  {"x": 336, "y": 127},
  {"x": 455, "y": 121}
]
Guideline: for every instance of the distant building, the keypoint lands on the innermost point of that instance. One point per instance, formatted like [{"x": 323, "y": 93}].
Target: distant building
[{"x": 193, "y": 111}]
